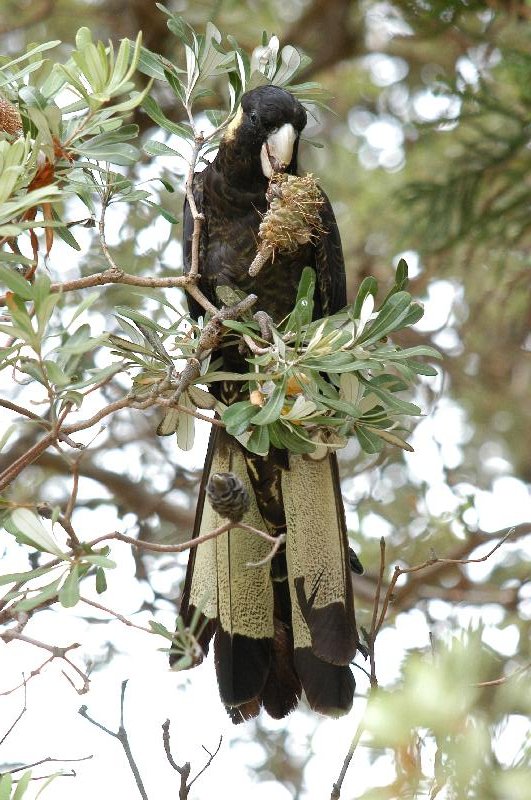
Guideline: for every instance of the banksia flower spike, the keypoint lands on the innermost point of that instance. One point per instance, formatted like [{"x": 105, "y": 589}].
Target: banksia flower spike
[{"x": 292, "y": 218}]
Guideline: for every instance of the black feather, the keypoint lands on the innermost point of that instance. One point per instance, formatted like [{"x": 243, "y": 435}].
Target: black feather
[
  {"x": 329, "y": 688},
  {"x": 231, "y": 194}
]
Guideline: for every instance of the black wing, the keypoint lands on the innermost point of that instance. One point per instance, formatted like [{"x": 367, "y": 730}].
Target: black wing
[{"x": 329, "y": 263}]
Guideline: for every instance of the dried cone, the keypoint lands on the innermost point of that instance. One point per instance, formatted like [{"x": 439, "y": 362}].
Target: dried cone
[
  {"x": 227, "y": 495},
  {"x": 10, "y": 120},
  {"x": 291, "y": 219}
]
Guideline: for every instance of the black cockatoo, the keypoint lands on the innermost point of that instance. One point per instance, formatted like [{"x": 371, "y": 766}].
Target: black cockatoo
[{"x": 287, "y": 626}]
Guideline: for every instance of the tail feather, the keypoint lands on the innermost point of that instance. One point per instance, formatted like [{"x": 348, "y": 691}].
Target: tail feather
[
  {"x": 286, "y": 626},
  {"x": 329, "y": 688},
  {"x": 242, "y": 666},
  {"x": 318, "y": 560},
  {"x": 282, "y": 691}
]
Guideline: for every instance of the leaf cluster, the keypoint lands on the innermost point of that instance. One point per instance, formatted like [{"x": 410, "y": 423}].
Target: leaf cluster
[
  {"x": 209, "y": 60},
  {"x": 314, "y": 385},
  {"x": 73, "y": 118}
]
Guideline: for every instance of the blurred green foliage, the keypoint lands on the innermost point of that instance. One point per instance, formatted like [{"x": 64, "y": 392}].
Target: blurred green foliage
[{"x": 426, "y": 155}]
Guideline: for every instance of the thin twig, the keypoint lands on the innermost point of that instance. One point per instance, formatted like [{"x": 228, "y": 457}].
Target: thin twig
[
  {"x": 376, "y": 605},
  {"x": 198, "y": 218},
  {"x": 17, "y": 720},
  {"x": 376, "y": 626},
  {"x": 121, "y": 735},
  {"x": 211, "y": 757},
  {"x": 336, "y": 788},
  {"x": 185, "y": 769},
  {"x": 117, "y": 275},
  {"x": 180, "y": 548},
  {"x": 26, "y": 680},
  {"x": 429, "y": 563},
  {"x": 48, "y": 760},
  {"x": 31, "y": 455},
  {"x": 57, "y": 652},
  {"x": 504, "y": 678},
  {"x": 114, "y": 614},
  {"x": 73, "y": 494}
]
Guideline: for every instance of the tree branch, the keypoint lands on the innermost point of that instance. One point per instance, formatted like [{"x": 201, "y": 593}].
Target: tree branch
[
  {"x": 185, "y": 769},
  {"x": 121, "y": 735},
  {"x": 57, "y": 652},
  {"x": 153, "y": 547}
]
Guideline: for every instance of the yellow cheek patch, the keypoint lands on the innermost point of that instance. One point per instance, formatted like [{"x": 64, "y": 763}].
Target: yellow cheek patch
[{"x": 233, "y": 125}]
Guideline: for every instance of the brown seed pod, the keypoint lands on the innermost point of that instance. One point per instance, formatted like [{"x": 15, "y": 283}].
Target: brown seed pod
[
  {"x": 10, "y": 119},
  {"x": 227, "y": 495},
  {"x": 292, "y": 218}
]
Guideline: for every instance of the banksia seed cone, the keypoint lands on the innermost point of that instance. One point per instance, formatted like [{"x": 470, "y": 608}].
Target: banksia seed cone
[
  {"x": 291, "y": 219},
  {"x": 10, "y": 120},
  {"x": 227, "y": 495}
]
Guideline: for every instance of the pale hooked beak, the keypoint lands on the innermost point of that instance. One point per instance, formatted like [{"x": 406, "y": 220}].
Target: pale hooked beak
[{"x": 277, "y": 150}]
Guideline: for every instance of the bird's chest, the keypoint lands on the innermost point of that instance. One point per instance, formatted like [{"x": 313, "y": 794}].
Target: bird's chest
[{"x": 232, "y": 244}]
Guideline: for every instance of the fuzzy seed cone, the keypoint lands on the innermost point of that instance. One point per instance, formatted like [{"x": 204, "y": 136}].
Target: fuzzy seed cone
[
  {"x": 10, "y": 120},
  {"x": 227, "y": 495},
  {"x": 292, "y": 218},
  {"x": 293, "y": 214}
]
